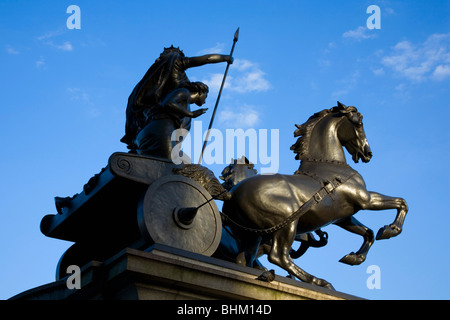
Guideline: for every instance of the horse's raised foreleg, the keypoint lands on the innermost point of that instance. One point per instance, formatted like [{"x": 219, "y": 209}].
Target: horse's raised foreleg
[
  {"x": 279, "y": 255},
  {"x": 352, "y": 225},
  {"x": 378, "y": 201}
]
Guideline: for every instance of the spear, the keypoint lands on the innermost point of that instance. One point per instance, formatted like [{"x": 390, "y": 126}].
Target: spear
[{"x": 235, "y": 39}]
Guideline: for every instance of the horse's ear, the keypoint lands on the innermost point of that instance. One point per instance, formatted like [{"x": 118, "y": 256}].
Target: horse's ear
[
  {"x": 341, "y": 105},
  {"x": 343, "y": 108},
  {"x": 299, "y": 131}
]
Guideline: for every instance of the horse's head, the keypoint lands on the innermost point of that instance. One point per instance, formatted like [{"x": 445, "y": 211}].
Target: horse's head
[
  {"x": 237, "y": 171},
  {"x": 351, "y": 133}
]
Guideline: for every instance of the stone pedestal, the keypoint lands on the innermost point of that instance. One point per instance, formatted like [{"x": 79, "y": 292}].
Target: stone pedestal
[{"x": 165, "y": 273}]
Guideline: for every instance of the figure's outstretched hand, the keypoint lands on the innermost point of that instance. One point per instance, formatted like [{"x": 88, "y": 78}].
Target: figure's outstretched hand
[
  {"x": 199, "y": 112},
  {"x": 230, "y": 59}
]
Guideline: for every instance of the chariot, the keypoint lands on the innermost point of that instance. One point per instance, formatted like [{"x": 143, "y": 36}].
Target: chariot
[{"x": 136, "y": 201}]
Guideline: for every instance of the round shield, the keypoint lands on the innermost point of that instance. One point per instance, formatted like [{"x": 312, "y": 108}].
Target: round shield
[{"x": 178, "y": 212}]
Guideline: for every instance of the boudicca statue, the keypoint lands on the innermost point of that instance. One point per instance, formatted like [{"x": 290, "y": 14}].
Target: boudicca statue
[{"x": 147, "y": 199}]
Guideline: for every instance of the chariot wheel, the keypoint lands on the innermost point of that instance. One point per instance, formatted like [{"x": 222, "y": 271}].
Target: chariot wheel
[{"x": 177, "y": 211}]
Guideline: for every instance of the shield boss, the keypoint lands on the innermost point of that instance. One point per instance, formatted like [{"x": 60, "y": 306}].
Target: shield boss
[{"x": 157, "y": 215}]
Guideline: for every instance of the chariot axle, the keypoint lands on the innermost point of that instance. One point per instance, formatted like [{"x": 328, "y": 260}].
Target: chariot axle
[{"x": 184, "y": 217}]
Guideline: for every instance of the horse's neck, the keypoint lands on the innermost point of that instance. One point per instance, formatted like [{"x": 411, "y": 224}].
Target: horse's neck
[{"x": 324, "y": 144}]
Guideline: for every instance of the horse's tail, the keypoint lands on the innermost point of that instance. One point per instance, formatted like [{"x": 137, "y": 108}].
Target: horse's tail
[{"x": 207, "y": 180}]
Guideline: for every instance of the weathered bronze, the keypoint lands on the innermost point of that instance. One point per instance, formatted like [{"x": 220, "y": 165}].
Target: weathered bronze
[
  {"x": 263, "y": 214},
  {"x": 160, "y": 102},
  {"x": 137, "y": 201},
  {"x": 168, "y": 215},
  {"x": 155, "y": 138},
  {"x": 234, "y": 173},
  {"x": 143, "y": 198},
  {"x": 274, "y": 208}
]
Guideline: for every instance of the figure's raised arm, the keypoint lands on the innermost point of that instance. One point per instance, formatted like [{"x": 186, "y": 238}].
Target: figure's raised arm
[{"x": 207, "y": 59}]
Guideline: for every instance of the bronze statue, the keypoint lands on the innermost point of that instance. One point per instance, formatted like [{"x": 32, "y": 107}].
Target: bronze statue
[
  {"x": 235, "y": 172},
  {"x": 275, "y": 208},
  {"x": 262, "y": 214},
  {"x": 165, "y": 76}
]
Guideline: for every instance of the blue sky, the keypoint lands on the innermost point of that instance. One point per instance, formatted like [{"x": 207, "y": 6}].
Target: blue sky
[{"x": 64, "y": 94}]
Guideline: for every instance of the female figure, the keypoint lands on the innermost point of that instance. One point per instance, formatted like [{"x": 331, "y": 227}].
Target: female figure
[
  {"x": 173, "y": 113},
  {"x": 168, "y": 73}
]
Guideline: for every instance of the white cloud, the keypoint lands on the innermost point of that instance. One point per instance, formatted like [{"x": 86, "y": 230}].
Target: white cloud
[
  {"x": 243, "y": 117},
  {"x": 378, "y": 71},
  {"x": 358, "y": 34},
  {"x": 428, "y": 60},
  {"x": 82, "y": 98},
  {"x": 441, "y": 72},
  {"x": 402, "y": 92},
  {"x": 40, "y": 63},
  {"x": 11, "y": 50},
  {"x": 50, "y": 34},
  {"x": 243, "y": 64},
  {"x": 389, "y": 11},
  {"x": 251, "y": 81},
  {"x": 215, "y": 81},
  {"x": 77, "y": 94},
  {"x": 66, "y": 46},
  {"x": 346, "y": 85},
  {"x": 218, "y": 48},
  {"x": 244, "y": 76}
]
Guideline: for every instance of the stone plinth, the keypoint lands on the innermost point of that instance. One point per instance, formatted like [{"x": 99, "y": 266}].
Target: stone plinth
[{"x": 165, "y": 273}]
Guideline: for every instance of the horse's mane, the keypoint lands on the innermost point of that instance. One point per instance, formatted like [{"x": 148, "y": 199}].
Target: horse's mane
[{"x": 301, "y": 146}]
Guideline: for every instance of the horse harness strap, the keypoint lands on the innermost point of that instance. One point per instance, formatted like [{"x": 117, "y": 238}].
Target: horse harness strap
[{"x": 327, "y": 189}]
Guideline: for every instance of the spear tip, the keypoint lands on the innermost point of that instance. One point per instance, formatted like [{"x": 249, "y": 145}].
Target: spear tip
[{"x": 236, "y": 35}]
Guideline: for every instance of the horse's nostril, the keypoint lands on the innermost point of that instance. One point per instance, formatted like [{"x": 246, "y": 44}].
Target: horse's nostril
[{"x": 367, "y": 151}]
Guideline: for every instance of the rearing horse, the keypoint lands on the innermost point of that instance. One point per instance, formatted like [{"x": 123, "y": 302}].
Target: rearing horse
[{"x": 324, "y": 190}]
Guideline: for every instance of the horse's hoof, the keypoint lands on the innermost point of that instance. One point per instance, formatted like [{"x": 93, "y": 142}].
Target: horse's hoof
[
  {"x": 329, "y": 286},
  {"x": 353, "y": 259},
  {"x": 388, "y": 232},
  {"x": 322, "y": 283}
]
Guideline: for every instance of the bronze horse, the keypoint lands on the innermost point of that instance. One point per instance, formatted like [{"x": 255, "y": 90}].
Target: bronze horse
[
  {"x": 235, "y": 172},
  {"x": 324, "y": 190}
]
